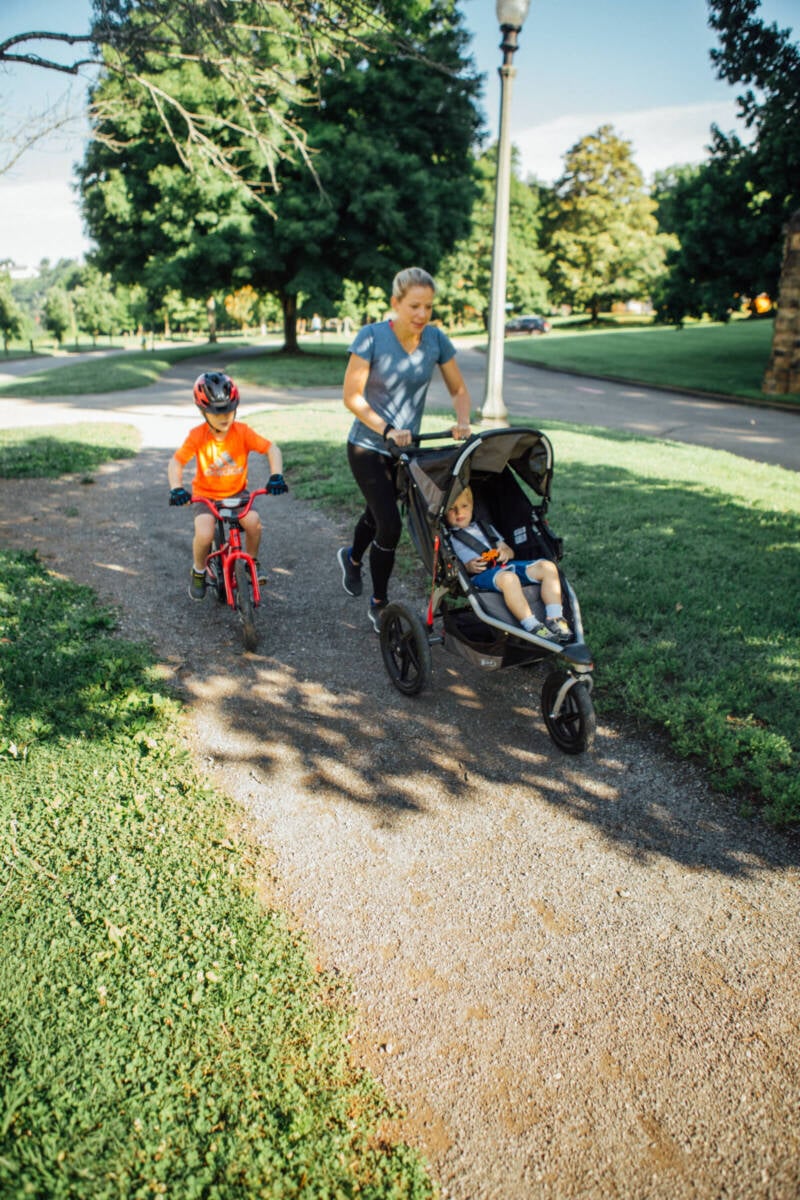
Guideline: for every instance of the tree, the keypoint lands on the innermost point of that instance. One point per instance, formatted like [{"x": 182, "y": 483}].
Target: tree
[
  {"x": 464, "y": 278},
  {"x": 11, "y": 318},
  {"x": 241, "y": 305},
  {"x": 730, "y": 216},
  {"x": 764, "y": 59},
  {"x": 96, "y": 307},
  {"x": 603, "y": 236},
  {"x": 718, "y": 216},
  {"x": 388, "y": 190},
  {"x": 57, "y": 315},
  {"x": 263, "y": 55},
  {"x": 392, "y": 190}
]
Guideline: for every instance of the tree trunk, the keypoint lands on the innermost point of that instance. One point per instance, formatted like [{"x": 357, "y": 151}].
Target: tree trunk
[
  {"x": 211, "y": 312},
  {"x": 783, "y": 369},
  {"x": 594, "y": 308},
  {"x": 289, "y": 306}
]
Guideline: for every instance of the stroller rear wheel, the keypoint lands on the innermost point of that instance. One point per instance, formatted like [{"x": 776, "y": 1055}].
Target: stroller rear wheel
[
  {"x": 405, "y": 649},
  {"x": 573, "y": 727}
]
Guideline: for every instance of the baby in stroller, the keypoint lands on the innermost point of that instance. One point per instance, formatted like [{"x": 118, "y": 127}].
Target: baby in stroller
[{"x": 488, "y": 559}]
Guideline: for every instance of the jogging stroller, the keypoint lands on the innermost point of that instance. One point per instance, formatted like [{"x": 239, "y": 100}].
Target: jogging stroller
[{"x": 476, "y": 625}]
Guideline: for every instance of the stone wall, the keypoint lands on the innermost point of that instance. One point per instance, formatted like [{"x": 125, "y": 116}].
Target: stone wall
[{"x": 783, "y": 370}]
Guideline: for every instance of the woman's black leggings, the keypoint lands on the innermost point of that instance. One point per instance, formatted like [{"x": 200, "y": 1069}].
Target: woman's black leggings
[{"x": 379, "y": 526}]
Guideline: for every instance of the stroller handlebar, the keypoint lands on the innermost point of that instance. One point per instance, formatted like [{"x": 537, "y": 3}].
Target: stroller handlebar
[{"x": 398, "y": 451}]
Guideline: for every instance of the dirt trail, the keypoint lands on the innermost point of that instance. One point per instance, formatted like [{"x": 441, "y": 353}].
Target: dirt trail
[{"x": 579, "y": 976}]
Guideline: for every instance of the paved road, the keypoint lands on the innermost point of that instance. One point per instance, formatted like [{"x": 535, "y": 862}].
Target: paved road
[
  {"x": 537, "y": 396},
  {"x": 532, "y": 396}
]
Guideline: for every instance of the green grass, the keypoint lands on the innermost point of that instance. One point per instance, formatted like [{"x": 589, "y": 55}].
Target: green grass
[
  {"x": 686, "y": 562},
  {"x": 317, "y": 366},
  {"x": 116, "y": 373},
  {"x": 63, "y": 449},
  {"x": 726, "y": 359},
  {"x": 161, "y": 1030}
]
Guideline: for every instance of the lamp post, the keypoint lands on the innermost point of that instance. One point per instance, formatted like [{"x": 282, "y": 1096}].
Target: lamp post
[{"x": 511, "y": 15}]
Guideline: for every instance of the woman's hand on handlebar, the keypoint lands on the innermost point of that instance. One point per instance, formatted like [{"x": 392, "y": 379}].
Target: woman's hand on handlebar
[
  {"x": 400, "y": 437},
  {"x": 461, "y": 431}
]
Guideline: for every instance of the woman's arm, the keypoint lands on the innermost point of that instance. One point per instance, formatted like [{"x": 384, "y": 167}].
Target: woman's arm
[
  {"x": 355, "y": 382},
  {"x": 454, "y": 381}
]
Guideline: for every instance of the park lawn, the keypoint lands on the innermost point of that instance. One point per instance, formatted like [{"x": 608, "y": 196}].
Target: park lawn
[
  {"x": 64, "y": 449},
  {"x": 723, "y": 359},
  {"x": 686, "y": 562},
  {"x": 162, "y": 1031},
  {"x": 114, "y": 373}
]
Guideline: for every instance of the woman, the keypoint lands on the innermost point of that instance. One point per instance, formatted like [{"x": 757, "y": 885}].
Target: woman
[{"x": 385, "y": 386}]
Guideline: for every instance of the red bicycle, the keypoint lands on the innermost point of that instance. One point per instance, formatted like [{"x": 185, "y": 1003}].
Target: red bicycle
[{"x": 231, "y": 571}]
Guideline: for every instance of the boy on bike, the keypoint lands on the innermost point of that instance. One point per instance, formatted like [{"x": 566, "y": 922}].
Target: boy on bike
[{"x": 220, "y": 447}]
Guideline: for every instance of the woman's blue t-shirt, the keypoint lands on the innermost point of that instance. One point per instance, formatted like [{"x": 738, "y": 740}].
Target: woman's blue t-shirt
[{"x": 398, "y": 381}]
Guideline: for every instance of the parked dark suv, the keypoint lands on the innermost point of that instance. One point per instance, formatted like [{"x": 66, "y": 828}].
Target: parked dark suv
[{"x": 527, "y": 325}]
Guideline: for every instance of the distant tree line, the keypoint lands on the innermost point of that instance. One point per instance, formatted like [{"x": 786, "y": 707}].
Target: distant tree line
[{"x": 389, "y": 175}]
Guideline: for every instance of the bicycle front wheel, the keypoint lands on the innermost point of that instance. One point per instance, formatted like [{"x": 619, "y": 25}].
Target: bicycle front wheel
[{"x": 244, "y": 604}]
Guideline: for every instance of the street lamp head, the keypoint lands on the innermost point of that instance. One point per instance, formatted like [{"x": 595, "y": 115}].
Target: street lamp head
[{"x": 511, "y": 14}]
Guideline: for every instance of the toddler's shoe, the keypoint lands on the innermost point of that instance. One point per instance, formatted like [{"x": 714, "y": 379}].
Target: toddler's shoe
[
  {"x": 559, "y": 629},
  {"x": 351, "y": 574},
  {"x": 197, "y": 585}
]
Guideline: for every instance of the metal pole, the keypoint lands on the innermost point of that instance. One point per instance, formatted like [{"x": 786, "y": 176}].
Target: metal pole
[{"x": 494, "y": 408}]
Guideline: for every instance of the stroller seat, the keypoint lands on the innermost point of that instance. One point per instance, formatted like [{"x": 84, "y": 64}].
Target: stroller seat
[{"x": 493, "y": 604}]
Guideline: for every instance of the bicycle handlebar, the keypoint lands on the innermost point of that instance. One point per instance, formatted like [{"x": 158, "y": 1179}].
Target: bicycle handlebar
[{"x": 242, "y": 512}]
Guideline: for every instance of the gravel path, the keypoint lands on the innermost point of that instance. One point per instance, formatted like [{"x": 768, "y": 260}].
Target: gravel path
[{"x": 578, "y": 975}]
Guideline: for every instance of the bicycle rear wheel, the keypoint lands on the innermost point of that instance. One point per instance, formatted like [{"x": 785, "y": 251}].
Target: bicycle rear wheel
[{"x": 244, "y": 604}]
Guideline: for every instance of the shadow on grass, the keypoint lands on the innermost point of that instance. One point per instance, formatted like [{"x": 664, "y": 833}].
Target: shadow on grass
[{"x": 354, "y": 741}]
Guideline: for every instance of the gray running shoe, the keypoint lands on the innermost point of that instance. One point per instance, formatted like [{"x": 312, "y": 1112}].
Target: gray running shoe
[
  {"x": 197, "y": 586},
  {"x": 375, "y": 613},
  {"x": 351, "y": 574}
]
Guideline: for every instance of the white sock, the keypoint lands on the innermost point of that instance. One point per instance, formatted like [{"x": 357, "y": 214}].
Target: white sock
[
  {"x": 553, "y": 611},
  {"x": 529, "y": 623}
]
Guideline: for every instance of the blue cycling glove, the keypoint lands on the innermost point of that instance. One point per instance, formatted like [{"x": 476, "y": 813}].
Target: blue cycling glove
[
  {"x": 277, "y": 485},
  {"x": 179, "y": 496}
]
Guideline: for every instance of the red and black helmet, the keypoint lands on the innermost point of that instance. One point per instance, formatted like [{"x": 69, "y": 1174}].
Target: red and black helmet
[{"x": 215, "y": 392}]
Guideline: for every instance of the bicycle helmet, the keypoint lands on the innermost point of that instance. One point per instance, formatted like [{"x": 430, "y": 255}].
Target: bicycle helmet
[{"x": 215, "y": 393}]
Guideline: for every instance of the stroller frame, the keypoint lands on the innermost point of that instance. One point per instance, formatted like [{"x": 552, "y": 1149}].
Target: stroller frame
[{"x": 499, "y": 465}]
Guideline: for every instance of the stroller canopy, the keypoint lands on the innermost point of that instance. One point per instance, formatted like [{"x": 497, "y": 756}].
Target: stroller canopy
[{"x": 442, "y": 474}]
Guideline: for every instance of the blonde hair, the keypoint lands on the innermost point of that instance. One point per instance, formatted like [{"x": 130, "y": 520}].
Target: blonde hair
[{"x": 411, "y": 277}]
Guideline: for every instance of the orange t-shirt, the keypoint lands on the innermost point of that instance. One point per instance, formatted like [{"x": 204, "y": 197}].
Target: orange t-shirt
[{"x": 221, "y": 465}]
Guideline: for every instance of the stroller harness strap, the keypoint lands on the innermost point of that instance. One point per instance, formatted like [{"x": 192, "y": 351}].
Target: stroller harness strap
[{"x": 491, "y": 535}]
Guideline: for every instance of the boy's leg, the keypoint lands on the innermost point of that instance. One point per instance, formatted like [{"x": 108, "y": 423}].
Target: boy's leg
[
  {"x": 251, "y": 524},
  {"x": 510, "y": 588},
  {"x": 545, "y": 573},
  {"x": 201, "y": 547},
  {"x": 203, "y": 537}
]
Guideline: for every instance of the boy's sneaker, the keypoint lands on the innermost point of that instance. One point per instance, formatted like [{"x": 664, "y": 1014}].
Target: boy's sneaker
[
  {"x": 375, "y": 613},
  {"x": 559, "y": 629},
  {"x": 197, "y": 585},
  {"x": 261, "y": 574},
  {"x": 351, "y": 574}
]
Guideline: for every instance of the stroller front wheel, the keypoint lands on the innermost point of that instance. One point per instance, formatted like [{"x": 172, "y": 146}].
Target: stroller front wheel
[
  {"x": 405, "y": 649},
  {"x": 572, "y": 728}
]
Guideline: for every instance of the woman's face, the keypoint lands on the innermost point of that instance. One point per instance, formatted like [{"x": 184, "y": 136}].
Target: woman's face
[{"x": 415, "y": 309}]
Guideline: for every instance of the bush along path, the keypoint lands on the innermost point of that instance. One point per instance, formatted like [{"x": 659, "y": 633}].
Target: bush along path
[{"x": 574, "y": 976}]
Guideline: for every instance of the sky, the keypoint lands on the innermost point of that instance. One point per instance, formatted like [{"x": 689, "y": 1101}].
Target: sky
[{"x": 642, "y": 67}]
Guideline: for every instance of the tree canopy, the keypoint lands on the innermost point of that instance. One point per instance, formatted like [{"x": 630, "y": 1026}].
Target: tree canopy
[
  {"x": 388, "y": 187},
  {"x": 729, "y": 214},
  {"x": 464, "y": 278},
  {"x": 603, "y": 235},
  {"x": 263, "y": 56}
]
